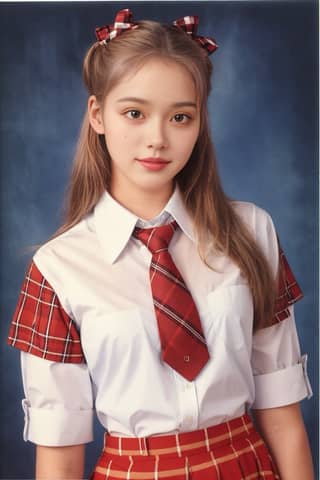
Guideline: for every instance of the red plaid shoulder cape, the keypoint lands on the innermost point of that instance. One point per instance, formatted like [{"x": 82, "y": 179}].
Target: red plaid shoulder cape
[
  {"x": 288, "y": 292},
  {"x": 41, "y": 326}
]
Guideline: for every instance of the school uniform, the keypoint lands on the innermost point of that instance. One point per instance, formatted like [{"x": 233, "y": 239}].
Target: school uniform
[{"x": 85, "y": 325}]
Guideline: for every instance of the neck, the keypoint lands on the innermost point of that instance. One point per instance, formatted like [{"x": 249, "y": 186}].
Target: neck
[{"x": 146, "y": 205}]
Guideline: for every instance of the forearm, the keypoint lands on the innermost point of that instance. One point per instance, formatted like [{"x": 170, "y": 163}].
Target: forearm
[
  {"x": 284, "y": 432},
  {"x": 56, "y": 463}
]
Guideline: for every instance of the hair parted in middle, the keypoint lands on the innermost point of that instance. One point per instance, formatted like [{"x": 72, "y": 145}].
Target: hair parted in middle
[{"x": 215, "y": 219}]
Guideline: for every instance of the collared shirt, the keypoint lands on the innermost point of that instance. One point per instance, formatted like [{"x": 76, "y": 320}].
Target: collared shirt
[{"x": 100, "y": 276}]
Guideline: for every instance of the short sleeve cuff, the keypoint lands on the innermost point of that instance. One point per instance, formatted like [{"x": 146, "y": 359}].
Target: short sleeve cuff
[
  {"x": 283, "y": 387},
  {"x": 57, "y": 427}
]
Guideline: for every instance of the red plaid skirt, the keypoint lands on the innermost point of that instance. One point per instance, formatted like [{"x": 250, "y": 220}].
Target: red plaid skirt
[{"x": 230, "y": 451}]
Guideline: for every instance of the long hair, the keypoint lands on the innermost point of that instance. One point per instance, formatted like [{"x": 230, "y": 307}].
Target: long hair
[{"x": 216, "y": 222}]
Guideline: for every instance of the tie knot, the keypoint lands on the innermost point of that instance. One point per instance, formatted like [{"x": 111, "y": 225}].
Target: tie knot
[{"x": 156, "y": 239}]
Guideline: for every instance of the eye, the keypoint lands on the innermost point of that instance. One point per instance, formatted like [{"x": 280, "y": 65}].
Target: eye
[
  {"x": 181, "y": 118},
  {"x": 133, "y": 114}
]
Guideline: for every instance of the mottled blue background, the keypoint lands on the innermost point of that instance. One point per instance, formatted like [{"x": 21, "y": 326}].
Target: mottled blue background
[{"x": 264, "y": 122}]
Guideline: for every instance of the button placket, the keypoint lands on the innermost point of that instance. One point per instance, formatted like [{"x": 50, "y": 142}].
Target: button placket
[{"x": 189, "y": 410}]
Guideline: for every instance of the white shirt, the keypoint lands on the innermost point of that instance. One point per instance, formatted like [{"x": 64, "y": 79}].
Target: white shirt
[{"x": 101, "y": 276}]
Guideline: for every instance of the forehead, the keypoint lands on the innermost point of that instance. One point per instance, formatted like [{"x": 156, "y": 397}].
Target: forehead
[{"x": 156, "y": 80}]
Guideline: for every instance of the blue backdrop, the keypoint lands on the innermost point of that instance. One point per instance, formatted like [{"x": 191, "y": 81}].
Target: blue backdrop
[{"x": 264, "y": 123}]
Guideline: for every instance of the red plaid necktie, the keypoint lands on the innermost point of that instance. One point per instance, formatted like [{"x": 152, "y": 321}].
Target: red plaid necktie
[{"x": 183, "y": 344}]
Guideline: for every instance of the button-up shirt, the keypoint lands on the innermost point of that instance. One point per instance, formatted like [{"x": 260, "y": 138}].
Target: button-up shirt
[{"x": 100, "y": 274}]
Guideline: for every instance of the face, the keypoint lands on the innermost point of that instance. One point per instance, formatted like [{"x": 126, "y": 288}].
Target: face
[{"x": 150, "y": 121}]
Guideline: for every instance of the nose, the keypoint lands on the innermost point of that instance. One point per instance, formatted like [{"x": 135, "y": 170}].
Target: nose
[{"x": 157, "y": 137}]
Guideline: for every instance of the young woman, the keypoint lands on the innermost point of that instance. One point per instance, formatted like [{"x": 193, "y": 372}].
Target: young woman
[{"x": 161, "y": 304}]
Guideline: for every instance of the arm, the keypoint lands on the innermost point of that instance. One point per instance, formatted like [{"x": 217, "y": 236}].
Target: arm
[
  {"x": 58, "y": 403},
  {"x": 60, "y": 462},
  {"x": 284, "y": 432},
  {"x": 58, "y": 416}
]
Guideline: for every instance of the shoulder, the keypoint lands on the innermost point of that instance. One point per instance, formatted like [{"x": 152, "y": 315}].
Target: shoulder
[
  {"x": 256, "y": 218},
  {"x": 251, "y": 213},
  {"x": 60, "y": 258},
  {"x": 262, "y": 227},
  {"x": 65, "y": 242}
]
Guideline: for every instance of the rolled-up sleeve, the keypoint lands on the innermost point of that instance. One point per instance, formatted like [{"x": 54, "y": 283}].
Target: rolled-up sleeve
[
  {"x": 280, "y": 372},
  {"x": 58, "y": 403}
]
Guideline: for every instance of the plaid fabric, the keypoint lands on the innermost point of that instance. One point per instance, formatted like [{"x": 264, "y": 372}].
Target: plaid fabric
[
  {"x": 230, "y": 451},
  {"x": 41, "y": 326},
  {"x": 123, "y": 22},
  {"x": 183, "y": 344},
  {"x": 289, "y": 291},
  {"x": 190, "y": 26}
]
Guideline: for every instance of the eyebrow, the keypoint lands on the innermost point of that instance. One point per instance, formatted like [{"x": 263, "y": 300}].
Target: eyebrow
[{"x": 145, "y": 102}]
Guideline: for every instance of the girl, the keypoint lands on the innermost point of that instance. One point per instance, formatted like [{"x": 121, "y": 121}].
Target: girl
[{"x": 160, "y": 303}]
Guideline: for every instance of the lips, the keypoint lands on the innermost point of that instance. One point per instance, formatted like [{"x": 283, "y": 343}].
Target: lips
[
  {"x": 153, "y": 160},
  {"x": 153, "y": 163}
]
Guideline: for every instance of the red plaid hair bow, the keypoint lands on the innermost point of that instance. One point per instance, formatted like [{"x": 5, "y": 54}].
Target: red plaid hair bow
[
  {"x": 124, "y": 21},
  {"x": 190, "y": 26}
]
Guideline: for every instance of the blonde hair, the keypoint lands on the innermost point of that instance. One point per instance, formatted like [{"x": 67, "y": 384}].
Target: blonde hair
[{"x": 215, "y": 219}]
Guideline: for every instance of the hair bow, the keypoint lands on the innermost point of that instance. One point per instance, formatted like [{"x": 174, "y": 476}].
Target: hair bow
[
  {"x": 190, "y": 26},
  {"x": 123, "y": 22}
]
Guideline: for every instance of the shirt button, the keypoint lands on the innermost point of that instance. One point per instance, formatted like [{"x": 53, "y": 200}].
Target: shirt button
[{"x": 186, "y": 358}]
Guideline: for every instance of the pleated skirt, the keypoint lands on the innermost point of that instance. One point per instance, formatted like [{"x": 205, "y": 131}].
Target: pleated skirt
[{"x": 229, "y": 451}]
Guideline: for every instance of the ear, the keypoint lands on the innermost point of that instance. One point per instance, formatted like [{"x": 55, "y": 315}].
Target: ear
[{"x": 95, "y": 115}]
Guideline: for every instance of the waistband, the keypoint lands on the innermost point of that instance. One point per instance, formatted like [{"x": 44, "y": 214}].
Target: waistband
[{"x": 180, "y": 444}]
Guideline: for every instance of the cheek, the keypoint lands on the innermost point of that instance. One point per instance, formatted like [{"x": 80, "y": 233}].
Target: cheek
[
  {"x": 120, "y": 133},
  {"x": 120, "y": 144},
  {"x": 188, "y": 142},
  {"x": 116, "y": 137}
]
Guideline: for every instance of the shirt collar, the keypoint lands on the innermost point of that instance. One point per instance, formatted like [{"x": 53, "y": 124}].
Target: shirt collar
[
  {"x": 115, "y": 224},
  {"x": 178, "y": 211}
]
